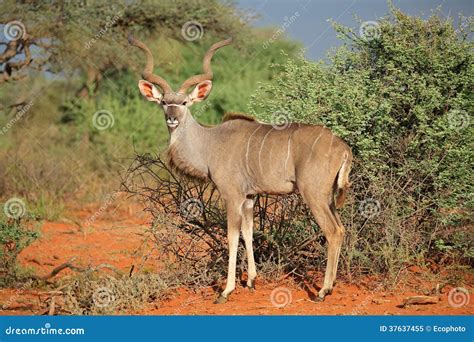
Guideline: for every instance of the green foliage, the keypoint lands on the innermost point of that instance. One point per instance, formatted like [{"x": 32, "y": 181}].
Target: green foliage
[
  {"x": 79, "y": 34},
  {"x": 141, "y": 124},
  {"x": 402, "y": 101},
  {"x": 14, "y": 237},
  {"x": 459, "y": 245},
  {"x": 54, "y": 151}
]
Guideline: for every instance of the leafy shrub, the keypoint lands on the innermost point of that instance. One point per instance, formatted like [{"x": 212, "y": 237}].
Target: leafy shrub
[
  {"x": 402, "y": 101},
  {"x": 55, "y": 152},
  {"x": 14, "y": 237}
]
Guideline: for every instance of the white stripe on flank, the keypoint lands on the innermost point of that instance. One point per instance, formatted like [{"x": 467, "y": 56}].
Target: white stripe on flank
[
  {"x": 261, "y": 148},
  {"x": 328, "y": 155},
  {"x": 312, "y": 146},
  {"x": 288, "y": 153},
  {"x": 248, "y": 148},
  {"x": 330, "y": 147}
]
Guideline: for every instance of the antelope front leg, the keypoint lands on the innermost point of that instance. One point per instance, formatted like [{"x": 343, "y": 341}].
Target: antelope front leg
[
  {"x": 247, "y": 233},
  {"x": 234, "y": 221}
]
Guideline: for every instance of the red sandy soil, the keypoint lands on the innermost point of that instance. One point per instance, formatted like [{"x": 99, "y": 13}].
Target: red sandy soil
[{"x": 115, "y": 237}]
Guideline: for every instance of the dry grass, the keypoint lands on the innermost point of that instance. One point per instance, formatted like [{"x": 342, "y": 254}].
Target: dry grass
[{"x": 94, "y": 294}]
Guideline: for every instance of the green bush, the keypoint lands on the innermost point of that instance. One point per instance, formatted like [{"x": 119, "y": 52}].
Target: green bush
[
  {"x": 54, "y": 153},
  {"x": 14, "y": 237},
  {"x": 402, "y": 101}
]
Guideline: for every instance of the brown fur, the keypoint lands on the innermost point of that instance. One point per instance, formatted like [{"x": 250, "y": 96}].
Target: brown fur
[
  {"x": 231, "y": 116},
  {"x": 245, "y": 157},
  {"x": 180, "y": 165},
  {"x": 206, "y": 125},
  {"x": 236, "y": 116}
]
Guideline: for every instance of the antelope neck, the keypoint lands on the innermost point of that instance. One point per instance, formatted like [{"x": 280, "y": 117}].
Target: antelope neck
[{"x": 189, "y": 148}]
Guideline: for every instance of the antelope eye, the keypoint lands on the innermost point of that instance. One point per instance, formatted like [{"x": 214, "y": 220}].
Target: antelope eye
[
  {"x": 163, "y": 103},
  {"x": 185, "y": 103}
]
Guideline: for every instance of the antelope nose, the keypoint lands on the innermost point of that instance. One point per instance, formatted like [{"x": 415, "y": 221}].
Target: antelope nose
[{"x": 172, "y": 122}]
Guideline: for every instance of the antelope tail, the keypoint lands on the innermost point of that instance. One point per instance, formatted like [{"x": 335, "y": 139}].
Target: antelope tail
[{"x": 343, "y": 183}]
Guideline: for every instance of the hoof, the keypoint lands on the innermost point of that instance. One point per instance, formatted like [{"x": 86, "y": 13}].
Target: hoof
[
  {"x": 318, "y": 299},
  {"x": 221, "y": 300},
  {"x": 251, "y": 285},
  {"x": 322, "y": 295}
]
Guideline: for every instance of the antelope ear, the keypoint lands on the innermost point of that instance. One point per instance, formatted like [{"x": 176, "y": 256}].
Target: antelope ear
[
  {"x": 150, "y": 92},
  {"x": 201, "y": 91}
]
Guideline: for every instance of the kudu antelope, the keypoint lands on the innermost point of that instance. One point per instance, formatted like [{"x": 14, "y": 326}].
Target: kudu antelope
[{"x": 244, "y": 157}]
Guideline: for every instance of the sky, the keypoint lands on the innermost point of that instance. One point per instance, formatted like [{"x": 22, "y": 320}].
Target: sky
[{"x": 311, "y": 26}]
